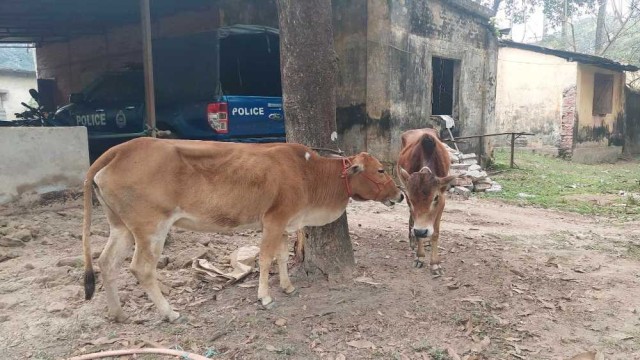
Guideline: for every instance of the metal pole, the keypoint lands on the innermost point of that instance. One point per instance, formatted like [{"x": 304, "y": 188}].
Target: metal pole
[
  {"x": 150, "y": 102},
  {"x": 513, "y": 142}
]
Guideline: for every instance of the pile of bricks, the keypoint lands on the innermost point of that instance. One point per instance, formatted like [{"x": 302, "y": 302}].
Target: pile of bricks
[{"x": 471, "y": 176}]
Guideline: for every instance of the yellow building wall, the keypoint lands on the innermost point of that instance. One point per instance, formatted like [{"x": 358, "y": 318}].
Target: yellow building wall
[
  {"x": 529, "y": 94},
  {"x": 594, "y": 128}
]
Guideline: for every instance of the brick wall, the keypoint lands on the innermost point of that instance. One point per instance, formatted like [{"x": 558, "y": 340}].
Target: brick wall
[{"x": 568, "y": 121}]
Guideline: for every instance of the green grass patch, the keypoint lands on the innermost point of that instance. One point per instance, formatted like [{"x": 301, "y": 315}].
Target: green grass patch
[
  {"x": 554, "y": 183},
  {"x": 435, "y": 353},
  {"x": 633, "y": 251}
]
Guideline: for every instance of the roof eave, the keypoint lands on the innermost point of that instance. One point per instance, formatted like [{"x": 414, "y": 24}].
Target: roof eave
[
  {"x": 571, "y": 56},
  {"x": 474, "y": 8}
]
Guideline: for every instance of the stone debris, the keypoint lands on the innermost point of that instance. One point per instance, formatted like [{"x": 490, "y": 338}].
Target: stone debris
[
  {"x": 56, "y": 307},
  {"x": 462, "y": 191},
  {"x": 471, "y": 176}
]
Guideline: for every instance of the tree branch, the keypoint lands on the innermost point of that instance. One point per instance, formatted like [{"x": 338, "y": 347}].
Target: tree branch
[{"x": 622, "y": 28}]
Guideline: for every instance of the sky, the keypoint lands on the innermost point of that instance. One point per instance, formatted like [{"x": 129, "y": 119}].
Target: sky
[{"x": 532, "y": 31}]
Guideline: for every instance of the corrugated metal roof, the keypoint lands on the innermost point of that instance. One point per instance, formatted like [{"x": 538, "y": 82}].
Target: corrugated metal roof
[{"x": 572, "y": 56}]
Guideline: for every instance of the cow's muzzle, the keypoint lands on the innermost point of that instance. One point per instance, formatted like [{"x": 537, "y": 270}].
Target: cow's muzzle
[
  {"x": 422, "y": 233},
  {"x": 392, "y": 202}
]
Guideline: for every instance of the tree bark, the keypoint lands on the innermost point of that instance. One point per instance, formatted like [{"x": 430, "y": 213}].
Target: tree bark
[
  {"x": 309, "y": 68},
  {"x": 600, "y": 26},
  {"x": 565, "y": 26},
  {"x": 496, "y": 6}
]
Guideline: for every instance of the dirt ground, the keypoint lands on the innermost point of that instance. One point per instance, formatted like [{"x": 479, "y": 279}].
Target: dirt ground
[{"x": 519, "y": 283}]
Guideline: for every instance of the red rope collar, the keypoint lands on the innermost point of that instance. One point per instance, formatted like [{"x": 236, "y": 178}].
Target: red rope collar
[{"x": 346, "y": 164}]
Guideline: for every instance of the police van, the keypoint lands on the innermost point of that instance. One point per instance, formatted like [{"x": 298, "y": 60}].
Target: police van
[{"x": 223, "y": 85}]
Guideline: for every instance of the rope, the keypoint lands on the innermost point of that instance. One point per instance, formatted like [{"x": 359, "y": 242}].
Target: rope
[{"x": 112, "y": 353}]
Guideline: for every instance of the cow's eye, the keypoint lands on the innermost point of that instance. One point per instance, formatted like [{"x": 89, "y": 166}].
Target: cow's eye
[
  {"x": 436, "y": 199},
  {"x": 381, "y": 171}
]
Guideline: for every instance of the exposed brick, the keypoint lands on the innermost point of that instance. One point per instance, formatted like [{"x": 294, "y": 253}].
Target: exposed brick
[{"x": 568, "y": 121}]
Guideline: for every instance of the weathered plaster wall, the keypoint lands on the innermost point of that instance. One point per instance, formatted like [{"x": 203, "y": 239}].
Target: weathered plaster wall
[
  {"x": 529, "y": 95},
  {"x": 74, "y": 64},
  {"x": 598, "y": 138},
  {"x": 402, "y": 38},
  {"x": 593, "y": 128},
  {"x": 14, "y": 89},
  {"x": 632, "y": 122},
  {"x": 350, "y": 42},
  {"x": 37, "y": 160}
]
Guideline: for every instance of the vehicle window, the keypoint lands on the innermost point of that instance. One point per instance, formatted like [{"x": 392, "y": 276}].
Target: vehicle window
[
  {"x": 250, "y": 65},
  {"x": 118, "y": 88}
]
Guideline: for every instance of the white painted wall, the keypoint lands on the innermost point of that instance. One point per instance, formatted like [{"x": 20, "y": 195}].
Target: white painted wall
[
  {"x": 37, "y": 160},
  {"x": 14, "y": 88}
]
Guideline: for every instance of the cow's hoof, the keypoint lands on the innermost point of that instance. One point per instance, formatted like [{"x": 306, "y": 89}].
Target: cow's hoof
[
  {"x": 175, "y": 318},
  {"x": 290, "y": 291},
  {"x": 267, "y": 303},
  {"x": 436, "y": 270},
  {"x": 181, "y": 319},
  {"x": 417, "y": 263},
  {"x": 119, "y": 318}
]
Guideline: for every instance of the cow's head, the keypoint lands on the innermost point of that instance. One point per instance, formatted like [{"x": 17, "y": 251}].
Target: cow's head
[
  {"x": 425, "y": 196},
  {"x": 366, "y": 179}
]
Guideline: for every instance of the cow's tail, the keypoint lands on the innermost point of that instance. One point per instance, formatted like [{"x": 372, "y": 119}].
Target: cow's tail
[{"x": 89, "y": 274}]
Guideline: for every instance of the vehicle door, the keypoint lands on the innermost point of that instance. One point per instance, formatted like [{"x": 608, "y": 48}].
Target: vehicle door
[{"x": 113, "y": 107}]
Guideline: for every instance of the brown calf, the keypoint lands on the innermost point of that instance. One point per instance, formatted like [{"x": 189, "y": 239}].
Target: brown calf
[
  {"x": 423, "y": 166},
  {"x": 148, "y": 185}
]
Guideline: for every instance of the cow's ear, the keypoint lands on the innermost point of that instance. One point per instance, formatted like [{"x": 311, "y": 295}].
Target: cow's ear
[
  {"x": 404, "y": 175},
  {"x": 446, "y": 181},
  {"x": 355, "y": 168}
]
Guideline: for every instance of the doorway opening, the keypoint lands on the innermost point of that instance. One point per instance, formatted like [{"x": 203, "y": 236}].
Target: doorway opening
[{"x": 446, "y": 77}]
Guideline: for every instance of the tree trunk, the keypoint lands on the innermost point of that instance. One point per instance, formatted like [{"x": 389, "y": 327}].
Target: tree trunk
[
  {"x": 600, "y": 22},
  {"x": 309, "y": 68},
  {"x": 566, "y": 40},
  {"x": 496, "y": 6}
]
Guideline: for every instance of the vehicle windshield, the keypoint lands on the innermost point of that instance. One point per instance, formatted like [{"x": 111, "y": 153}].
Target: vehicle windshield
[{"x": 118, "y": 87}]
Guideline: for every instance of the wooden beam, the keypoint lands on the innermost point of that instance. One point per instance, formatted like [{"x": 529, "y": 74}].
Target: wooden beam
[
  {"x": 150, "y": 101},
  {"x": 496, "y": 134}
]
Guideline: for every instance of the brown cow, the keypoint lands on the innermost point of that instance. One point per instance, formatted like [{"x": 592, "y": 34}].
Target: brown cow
[
  {"x": 423, "y": 166},
  {"x": 148, "y": 185}
]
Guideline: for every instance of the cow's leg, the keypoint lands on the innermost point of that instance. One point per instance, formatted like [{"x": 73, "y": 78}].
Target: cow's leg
[
  {"x": 416, "y": 244},
  {"x": 412, "y": 237},
  {"x": 283, "y": 271},
  {"x": 119, "y": 244},
  {"x": 436, "y": 269},
  {"x": 149, "y": 245},
  {"x": 269, "y": 247},
  {"x": 420, "y": 254}
]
